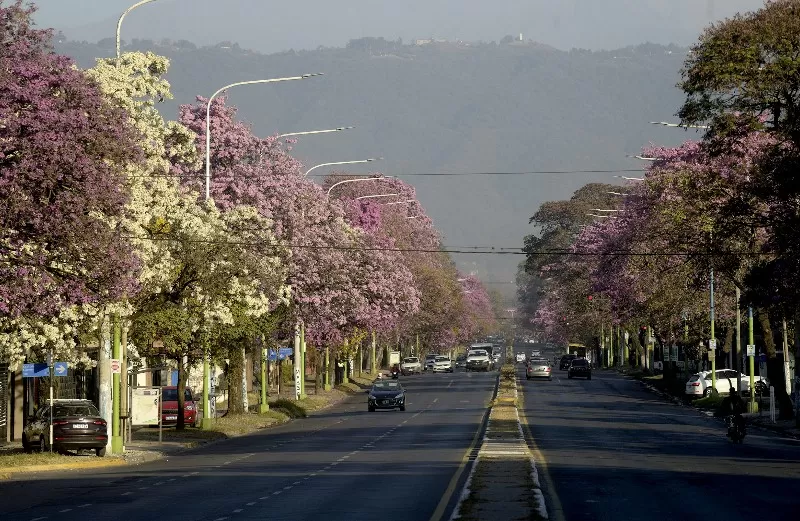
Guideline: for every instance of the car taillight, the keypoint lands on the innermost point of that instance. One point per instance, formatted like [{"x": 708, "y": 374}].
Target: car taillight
[
  {"x": 695, "y": 384},
  {"x": 60, "y": 422},
  {"x": 99, "y": 422},
  {"x": 547, "y": 369}
]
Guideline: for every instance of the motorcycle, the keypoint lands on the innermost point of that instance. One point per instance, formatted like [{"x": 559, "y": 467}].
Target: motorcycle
[
  {"x": 395, "y": 372},
  {"x": 736, "y": 428}
]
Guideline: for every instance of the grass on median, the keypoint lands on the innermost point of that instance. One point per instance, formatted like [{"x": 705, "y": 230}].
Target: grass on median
[{"x": 13, "y": 459}]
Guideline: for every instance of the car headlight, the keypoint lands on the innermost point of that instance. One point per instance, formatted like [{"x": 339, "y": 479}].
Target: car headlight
[
  {"x": 372, "y": 397},
  {"x": 190, "y": 407},
  {"x": 398, "y": 396}
]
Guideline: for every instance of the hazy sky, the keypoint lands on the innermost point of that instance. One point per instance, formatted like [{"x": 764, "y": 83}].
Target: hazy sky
[{"x": 277, "y": 25}]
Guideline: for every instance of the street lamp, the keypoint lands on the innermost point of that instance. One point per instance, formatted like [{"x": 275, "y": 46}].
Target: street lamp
[
  {"x": 334, "y": 185},
  {"x": 208, "y": 116},
  {"x": 206, "y": 362},
  {"x": 119, "y": 23},
  {"x": 309, "y": 132},
  {"x": 618, "y": 193},
  {"x": 667, "y": 124},
  {"x": 407, "y": 201},
  {"x": 601, "y": 216},
  {"x": 643, "y": 158},
  {"x": 375, "y": 196},
  {"x": 343, "y": 163},
  {"x": 601, "y": 210},
  {"x": 629, "y": 178}
]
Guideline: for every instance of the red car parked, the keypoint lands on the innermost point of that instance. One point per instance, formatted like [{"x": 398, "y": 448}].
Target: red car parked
[{"x": 169, "y": 407}]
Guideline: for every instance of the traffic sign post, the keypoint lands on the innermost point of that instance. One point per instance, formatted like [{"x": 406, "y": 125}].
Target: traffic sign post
[
  {"x": 60, "y": 368},
  {"x": 35, "y": 371},
  {"x": 751, "y": 350},
  {"x": 116, "y": 366}
]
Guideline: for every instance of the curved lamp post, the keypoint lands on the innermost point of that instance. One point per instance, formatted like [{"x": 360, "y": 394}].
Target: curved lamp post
[
  {"x": 208, "y": 116},
  {"x": 370, "y": 160},
  {"x": 643, "y": 158},
  {"x": 375, "y": 196},
  {"x": 309, "y": 132},
  {"x": 629, "y": 178},
  {"x": 119, "y": 23},
  {"x": 334, "y": 185},
  {"x": 667, "y": 124}
]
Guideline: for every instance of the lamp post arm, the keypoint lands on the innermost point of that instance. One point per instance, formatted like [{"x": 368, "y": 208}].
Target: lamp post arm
[
  {"x": 334, "y": 185},
  {"x": 338, "y": 129},
  {"x": 121, "y": 18},
  {"x": 342, "y": 163},
  {"x": 208, "y": 115}
]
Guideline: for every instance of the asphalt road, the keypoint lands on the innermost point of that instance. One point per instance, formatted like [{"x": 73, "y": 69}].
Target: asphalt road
[
  {"x": 341, "y": 464},
  {"x": 615, "y": 451}
]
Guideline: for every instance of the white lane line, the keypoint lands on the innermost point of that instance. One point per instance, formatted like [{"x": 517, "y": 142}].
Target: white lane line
[
  {"x": 38, "y": 518},
  {"x": 65, "y": 510},
  {"x": 85, "y": 505},
  {"x": 196, "y": 472},
  {"x": 287, "y": 487},
  {"x": 262, "y": 498},
  {"x": 128, "y": 493},
  {"x": 277, "y": 492},
  {"x": 435, "y": 400},
  {"x": 159, "y": 483},
  {"x": 221, "y": 518},
  {"x": 451, "y": 383},
  {"x": 143, "y": 488},
  {"x": 251, "y": 503},
  {"x": 237, "y": 510},
  {"x": 296, "y": 483},
  {"x": 171, "y": 479},
  {"x": 306, "y": 478},
  {"x": 227, "y": 463}
]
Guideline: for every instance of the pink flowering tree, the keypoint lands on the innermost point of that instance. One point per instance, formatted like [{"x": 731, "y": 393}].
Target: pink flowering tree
[{"x": 63, "y": 153}]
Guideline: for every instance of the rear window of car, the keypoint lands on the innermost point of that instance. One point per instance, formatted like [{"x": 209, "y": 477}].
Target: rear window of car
[
  {"x": 694, "y": 378},
  {"x": 539, "y": 361},
  {"x": 580, "y": 363},
  {"x": 63, "y": 411},
  {"x": 411, "y": 360},
  {"x": 430, "y": 357},
  {"x": 442, "y": 359},
  {"x": 478, "y": 352},
  {"x": 171, "y": 395}
]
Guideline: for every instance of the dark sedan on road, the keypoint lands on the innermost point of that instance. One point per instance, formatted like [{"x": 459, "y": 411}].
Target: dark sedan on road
[
  {"x": 565, "y": 361},
  {"x": 77, "y": 425},
  {"x": 580, "y": 368},
  {"x": 386, "y": 395}
]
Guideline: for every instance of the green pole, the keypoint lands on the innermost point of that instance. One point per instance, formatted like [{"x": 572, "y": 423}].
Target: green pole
[
  {"x": 303, "y": 394},
  {"x": 649, "y": 347},
  {"x": 373, "y": 369},
  {"x": 752, "y": 359},
  {"x": 116, "y": 438},
  {"x": 327, "y": 368},
  {"x": 207, "y": 420},
  {"x": 264, "y": 407},
  {"x": 345, "y": 376},
  {"x": 602, "y": 344},
  {"x": 712, "y": 345}
]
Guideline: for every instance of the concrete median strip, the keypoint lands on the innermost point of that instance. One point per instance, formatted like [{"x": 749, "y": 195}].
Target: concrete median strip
[{"x": 504, "y": 482}]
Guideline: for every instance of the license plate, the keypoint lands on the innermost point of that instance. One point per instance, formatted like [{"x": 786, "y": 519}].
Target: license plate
[
  {"x": 171, "y": 418},
  {"x": 80, "y": 425}
]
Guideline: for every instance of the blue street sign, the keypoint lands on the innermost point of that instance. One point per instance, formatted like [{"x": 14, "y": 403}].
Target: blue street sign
[
  {"x": 282, "y": 353},
  {"x": 35, "y": 370},
  {"x": 60, "y": 368}
]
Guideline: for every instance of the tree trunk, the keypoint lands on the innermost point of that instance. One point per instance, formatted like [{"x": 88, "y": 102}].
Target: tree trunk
[
  {"x": 235, "y": 378},
  {"x": 181, "y": 391}
]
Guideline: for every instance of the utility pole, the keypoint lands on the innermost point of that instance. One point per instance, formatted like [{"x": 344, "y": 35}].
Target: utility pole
[
  {"x": 264, "y": 406},
  {"x": 738, "y": 343},
  {"x": 104, "y": 374},
  {"x": 303, "y": 394},
  {"x": 328, "y": 367},
  {"x": 116, "y": 439},
  {"x": 751, "y": 352},
  {"x": 373, "y": 369},
  {"x": 712, "y": 342}
]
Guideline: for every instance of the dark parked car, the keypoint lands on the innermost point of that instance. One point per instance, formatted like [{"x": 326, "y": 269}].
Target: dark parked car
[
  {"x": 77, "y": 425},
  {"x": 386, "y": 394},
  {"x": 565, "y": 361},
  {"x": 580, "y": 367}
]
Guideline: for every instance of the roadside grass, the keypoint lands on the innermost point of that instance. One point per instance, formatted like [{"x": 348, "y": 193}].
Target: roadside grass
[
  {"x": 349, "y": 388},
  {"x": 20, "y": 459},
  {"x": 289, "y": 408},
  {"x": 16, "y": 461},
  {"x": 320, "y": 401},
  {"x": 240, "y": 424},
  {"x": 364, "y": 380},
  {"x": 711, "y": 402}
]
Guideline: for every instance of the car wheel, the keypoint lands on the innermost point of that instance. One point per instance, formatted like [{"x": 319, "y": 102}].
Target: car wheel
[
  {"x": 26, "y": 447},
  {"x": 707, "y": 391},
  {"x": 42, "y": 444},
  {"x": 527, "y": 377},
  {"x": 569, "y": 376},
  {"x": 402, "y": 407},
  {"x": 549, "y": 378},
  {"x": 100, "y": 452},
  {"x": 371, "y": 409},
  {"x": 589, "y": 377}
]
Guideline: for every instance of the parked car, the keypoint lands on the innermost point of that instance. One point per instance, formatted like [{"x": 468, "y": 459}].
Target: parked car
[
  {"x": 565, "y": 361},
  {"x": 386, "y": 394},
  {"x": 169, "y": 407},
  {"x": 580, "y": 367},
  {"x": 478, "y": 360},
  {"x": 520, "y": 358},
  {"x": 411, "y": 365},
  {"x": 443, "y": 364},
  {"x": 699, "y": 384},
  {"x": 538, "y": 368},
  {"x": 461, "y": 360},
  {"x": 77, "y": 425},
  {"x": 429, "y": 360}
]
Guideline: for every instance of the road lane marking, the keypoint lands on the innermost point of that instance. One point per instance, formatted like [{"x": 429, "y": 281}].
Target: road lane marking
[
  {"x": 38, "y": 518},
  {"x": 85, "y": 505},
  {"x": 287, "y": 487},
  {"x": 262, "y": 498},
  {"x": 65, "y": 510},
  {"x": 221, "y": 518},
  {"x": 251, "y": 503},
  {"x": 277, "y": 492},
  {"x": 237, "y": 510},
  {"x": 128, "y": 493}
]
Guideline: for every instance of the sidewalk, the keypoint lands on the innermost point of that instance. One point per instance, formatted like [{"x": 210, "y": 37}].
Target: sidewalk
[{"x": 503, "y": 484}]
